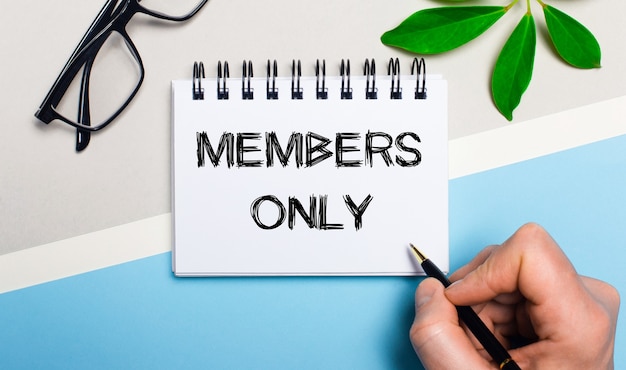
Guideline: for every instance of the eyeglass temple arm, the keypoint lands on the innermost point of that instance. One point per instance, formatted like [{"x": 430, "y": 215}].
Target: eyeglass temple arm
[{"x": 102, "y": 19}]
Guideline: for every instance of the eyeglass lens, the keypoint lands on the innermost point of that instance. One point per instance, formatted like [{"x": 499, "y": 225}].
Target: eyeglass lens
[
  {"x": 171, "y": 8},
  {"x": 113, "y": 77},
  {"x": 112, "y": 71}
]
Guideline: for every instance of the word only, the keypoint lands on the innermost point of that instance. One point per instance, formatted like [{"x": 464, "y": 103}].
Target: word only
[{"x": 315, "y": 218}]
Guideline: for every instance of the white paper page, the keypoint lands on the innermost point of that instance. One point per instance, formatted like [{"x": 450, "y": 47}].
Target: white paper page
[{"x": 228, "y": 221}]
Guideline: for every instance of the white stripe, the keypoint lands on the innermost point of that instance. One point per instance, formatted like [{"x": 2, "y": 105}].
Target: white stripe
[
  {"x": 468, "y": 155},
  {"x": 518, "y": 142},
  {"x": 85, "y": 253}
]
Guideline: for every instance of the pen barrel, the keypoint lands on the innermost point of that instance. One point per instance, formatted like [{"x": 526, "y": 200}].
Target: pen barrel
[
  {"x": 486, "y": 337},
  {"x": 511, "y": 365},
  {"x": 475, "y": 324},
  {"x": 433, "y": 271}
]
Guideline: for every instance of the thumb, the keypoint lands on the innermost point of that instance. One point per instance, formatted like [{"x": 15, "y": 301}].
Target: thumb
[{"x": 438, "y": 339}]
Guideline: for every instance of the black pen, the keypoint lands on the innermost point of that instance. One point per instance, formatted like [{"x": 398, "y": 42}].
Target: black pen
[{"x": 470, "y": 318}]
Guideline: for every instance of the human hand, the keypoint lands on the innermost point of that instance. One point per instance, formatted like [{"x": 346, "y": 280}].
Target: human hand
[{"x": 524, "y": 288}]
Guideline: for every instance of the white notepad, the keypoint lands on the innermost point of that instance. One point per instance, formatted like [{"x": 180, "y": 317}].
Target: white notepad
[{"x": 308, "y": 186}]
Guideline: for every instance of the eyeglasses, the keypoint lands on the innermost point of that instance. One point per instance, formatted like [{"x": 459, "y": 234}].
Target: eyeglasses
[{"x": 99, "y": 80}]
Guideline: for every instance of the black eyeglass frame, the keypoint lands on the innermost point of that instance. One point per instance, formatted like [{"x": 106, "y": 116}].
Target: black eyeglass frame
[{"x": 111, "y": 18}]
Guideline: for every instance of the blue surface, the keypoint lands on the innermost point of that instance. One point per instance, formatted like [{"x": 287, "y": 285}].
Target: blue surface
[{"x": 138, "y": 316}]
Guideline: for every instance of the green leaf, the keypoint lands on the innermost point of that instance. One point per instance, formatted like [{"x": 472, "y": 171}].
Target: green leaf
[
  {"x": 437, "y": 30},
  {"x": 574, "y": 43},
  {"x": 514, "y": 67}
]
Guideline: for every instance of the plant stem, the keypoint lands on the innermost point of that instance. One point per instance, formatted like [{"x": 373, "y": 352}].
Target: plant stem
[{"x": 512, "y": 4}]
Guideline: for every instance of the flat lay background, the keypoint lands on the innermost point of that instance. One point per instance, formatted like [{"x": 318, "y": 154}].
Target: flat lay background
[{"x": 64, "y": 215}]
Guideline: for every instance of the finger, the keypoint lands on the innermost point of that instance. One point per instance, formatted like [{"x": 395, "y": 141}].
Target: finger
[
  {"x": 494, "y": 313},
  {"x": 473, "y": 264},
  {"x": 604, "y": 293},
  {"x": 530, "y": 261},
  {"x": 499, "y": 318},
  {"x": 524, "y": 323},
  {"x": 538, "y": 356},
  {"x": 436, "y": 330}
]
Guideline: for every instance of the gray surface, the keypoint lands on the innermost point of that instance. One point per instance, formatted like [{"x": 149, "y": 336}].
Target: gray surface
[{"x": 49, "y": 193}]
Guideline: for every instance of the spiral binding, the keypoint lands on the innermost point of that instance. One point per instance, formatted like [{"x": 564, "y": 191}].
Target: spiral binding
[
  {"x": 370, "y": 79},
  {"x": 393, "y": 69},
  {"x": 247, "y": 93},
  {"x": 272, "y": 91},
  {"x": 418, "y": 69},
  {"x": 222, "y": 90},
  {"x": 321, "y": 92},
  {"x": 344, "y": 71},
  {"x": 198, "y": 75},
  {"x": 296, "y": 90}
]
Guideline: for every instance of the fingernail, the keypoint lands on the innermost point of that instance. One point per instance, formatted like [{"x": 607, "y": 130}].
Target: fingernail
[
  {"x": 422, "y": 300},
  {"x": 424, "y": 293},
  {"x": 454, "y": 283}
]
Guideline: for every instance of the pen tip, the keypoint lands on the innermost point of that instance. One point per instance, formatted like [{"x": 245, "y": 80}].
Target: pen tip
[{"x": 419, "y": 255}]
